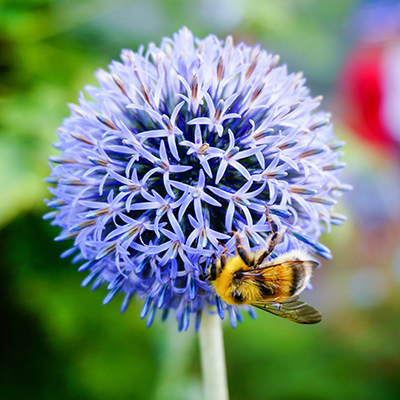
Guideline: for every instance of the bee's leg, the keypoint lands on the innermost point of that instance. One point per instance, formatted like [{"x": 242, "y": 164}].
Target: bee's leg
[
  {"x": 243, "y": 254},
  {"x": 222, "y": 258},
  {"x": 216, "y": 266},
  {"x": 271, "y": 222},
  {"x": 225, "y": 250},
  {"x": 273, "y": 240},
  {"x": 222, "y": 262}
]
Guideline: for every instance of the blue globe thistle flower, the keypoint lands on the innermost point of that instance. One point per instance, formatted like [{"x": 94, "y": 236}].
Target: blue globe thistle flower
[{"x": 180, "y": 145}]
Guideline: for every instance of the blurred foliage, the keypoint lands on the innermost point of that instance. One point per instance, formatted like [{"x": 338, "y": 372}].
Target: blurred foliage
[{"x": 57, "y": 339}]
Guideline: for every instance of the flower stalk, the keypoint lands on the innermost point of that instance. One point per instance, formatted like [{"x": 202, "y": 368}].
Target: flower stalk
[{"x": 213, "y": 358}]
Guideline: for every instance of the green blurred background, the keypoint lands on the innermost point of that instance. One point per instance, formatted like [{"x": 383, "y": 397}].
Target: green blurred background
[{"x": 59, "y": 342}]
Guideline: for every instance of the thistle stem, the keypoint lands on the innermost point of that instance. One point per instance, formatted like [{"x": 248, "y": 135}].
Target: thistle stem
[{"x": 213, "y": 358}]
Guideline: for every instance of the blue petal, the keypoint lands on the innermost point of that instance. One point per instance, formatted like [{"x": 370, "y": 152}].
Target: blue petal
[{"x": 220, "y": 307}]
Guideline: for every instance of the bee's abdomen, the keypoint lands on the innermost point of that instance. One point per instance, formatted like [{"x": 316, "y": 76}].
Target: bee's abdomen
[
  {"x": 280, "y": 283},
  {"x": 298, "y": 275},
  {"x": 266, "y": 290}
]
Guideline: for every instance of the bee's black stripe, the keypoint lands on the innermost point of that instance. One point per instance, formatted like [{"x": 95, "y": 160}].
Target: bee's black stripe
[{"x": 298, "y": 277}]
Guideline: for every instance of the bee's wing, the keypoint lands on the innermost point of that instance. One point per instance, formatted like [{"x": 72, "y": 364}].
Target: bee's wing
[
  {"x": 292, "y": 309},
  {"x": 288, "y": 264}
]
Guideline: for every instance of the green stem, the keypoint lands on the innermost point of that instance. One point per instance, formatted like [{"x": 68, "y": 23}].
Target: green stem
[{"x": 213, "y": 358}]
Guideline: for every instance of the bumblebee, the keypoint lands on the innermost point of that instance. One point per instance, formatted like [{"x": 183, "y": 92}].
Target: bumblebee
[{"x": 272, "y": 286}]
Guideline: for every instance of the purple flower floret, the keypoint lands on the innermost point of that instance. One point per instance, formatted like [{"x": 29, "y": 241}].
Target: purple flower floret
[{"x": 179, "y": 146}]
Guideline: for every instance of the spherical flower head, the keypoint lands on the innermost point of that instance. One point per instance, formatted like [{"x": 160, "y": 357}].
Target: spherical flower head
[{"x": 179, "y": 146}]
